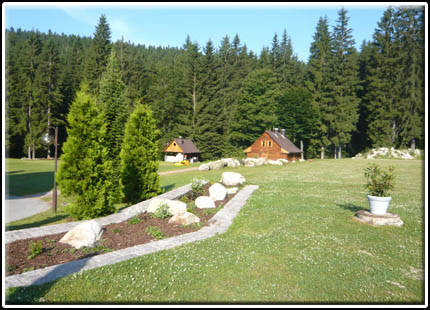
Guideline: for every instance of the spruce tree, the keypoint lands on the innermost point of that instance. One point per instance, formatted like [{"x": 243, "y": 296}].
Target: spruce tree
[
  {"x": 114, "y": 111},
  {"x": 139, "y": 154},
  {"x": 84, "y": 171},
  {"x": 343, "y": 85},
  {"x": 208, "y": 137},
  {"x": 98, "y": 55},
  {"x": 316, "y": 82},
  {"x": 258, "y": 104}
]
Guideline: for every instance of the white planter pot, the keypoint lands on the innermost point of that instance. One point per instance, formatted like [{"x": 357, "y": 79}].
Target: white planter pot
[{"x": 378, "y": 205}]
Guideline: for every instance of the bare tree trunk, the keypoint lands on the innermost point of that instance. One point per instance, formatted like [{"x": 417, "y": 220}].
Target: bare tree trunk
[
  {"x": 301, "y": 148},
  {"x": 413, "y": 144},
  {"x": 322, "y": 152},
  {"x": 340, "y": 152},
  {"x": 335, "y": 152},
  {"x": 194, "y": 101}
]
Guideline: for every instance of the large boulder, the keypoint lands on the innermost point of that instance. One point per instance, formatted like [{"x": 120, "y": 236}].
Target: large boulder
[
  {"x": 204, "y": 202},
  {"x": 186, "y": 218},
  {"x": 204, "y": 167},
  {"x": 175, "y": 207},
  {"x": 84, "y": 234},
  {"x": 282, "y": 160},
  {"x": 232, "y": 178},
  {"x": 218, "y": 164},
  {"x": 217, "y": 192}
]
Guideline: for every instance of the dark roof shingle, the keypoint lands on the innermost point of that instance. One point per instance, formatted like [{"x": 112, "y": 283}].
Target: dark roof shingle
[
  {"x": 187, "y": 146},
  {"x": 284, "y": 142}
]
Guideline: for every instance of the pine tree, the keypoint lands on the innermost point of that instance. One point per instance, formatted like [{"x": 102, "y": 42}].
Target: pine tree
[
  {"x": 256, "y": 112},
  {"x": 343, "y": 85},
  {"x": 98, "y": 55},
  {"x": 208, "y": 137},
  {"x": 114, "y": 111},
  {"x": 48, "y": 84},
  {"x": 139, "y": 154},
  {"x": 410, "y": 35},
  {"x": 382, "y": 91},
  {"x": 84, "y": 173},
  {"x": 316, "y": 82}
]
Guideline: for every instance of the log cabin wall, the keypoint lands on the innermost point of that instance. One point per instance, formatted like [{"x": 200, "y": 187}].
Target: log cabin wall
[{"x": 265, "y": 147}]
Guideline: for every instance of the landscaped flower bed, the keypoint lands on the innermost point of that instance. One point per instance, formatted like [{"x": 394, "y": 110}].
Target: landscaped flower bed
[{"x": 35, "y": 253}]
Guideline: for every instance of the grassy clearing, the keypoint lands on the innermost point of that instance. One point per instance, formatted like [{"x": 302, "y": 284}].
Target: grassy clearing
[{"x": 295, "y": 241}]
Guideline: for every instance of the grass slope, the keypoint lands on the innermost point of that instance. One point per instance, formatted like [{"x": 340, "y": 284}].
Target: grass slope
[{"x": 295, "y": 241}]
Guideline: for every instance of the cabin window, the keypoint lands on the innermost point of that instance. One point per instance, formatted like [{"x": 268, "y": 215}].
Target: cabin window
[
  {"x": 269, "y": 143},
  {"x": 174, "y": 143},
  {"x": 262, "y": 143}
]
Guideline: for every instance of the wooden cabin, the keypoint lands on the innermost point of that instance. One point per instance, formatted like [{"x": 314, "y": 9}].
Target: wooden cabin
[
  {"x": 274, "y": 145},
  {"x": 181, "y": 149}
]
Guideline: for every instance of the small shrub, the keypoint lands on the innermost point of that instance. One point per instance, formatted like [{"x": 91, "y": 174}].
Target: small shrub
[
  {"x": 117, "y": 230},
  {"x": 192, "y": 208},
  {"x": 379, "y": 183},
  {"x": 154, "y": 232},
  {"x": 34, "y": 249},
  {"x": 196, "y": 189},
  {"x": 134, "y": 220},
  {"x": 162, "y": 212}
]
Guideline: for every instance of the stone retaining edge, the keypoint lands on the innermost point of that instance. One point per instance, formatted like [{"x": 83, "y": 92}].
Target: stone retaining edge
[
  {"x": 218, "y": 224},
  {"x": 123, "y": 215}
]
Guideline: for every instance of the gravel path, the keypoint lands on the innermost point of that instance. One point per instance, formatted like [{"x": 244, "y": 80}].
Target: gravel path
[{"x": 20, "y": 207}]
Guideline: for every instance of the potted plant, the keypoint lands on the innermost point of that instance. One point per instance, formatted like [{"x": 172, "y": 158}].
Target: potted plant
[{"x": 380, "y": 183}]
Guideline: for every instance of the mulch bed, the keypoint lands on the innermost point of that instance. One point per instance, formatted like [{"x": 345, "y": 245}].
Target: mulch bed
[{"x": 115, "y": 237}]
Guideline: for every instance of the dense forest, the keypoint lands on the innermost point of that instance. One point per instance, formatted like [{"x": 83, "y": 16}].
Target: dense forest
[{"x": 341, "y": 102}]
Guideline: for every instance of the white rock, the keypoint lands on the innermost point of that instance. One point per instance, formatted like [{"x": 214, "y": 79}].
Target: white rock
[
  {"x": 216, "y": 165},
  {"x": 233, "y": 163},
  {"x": 217, "y": 192},
  {"x": 249, "y": 164},
  {"x": 186, "y": 218},
  {"x": 204, "y": 202},
  {"x": 273, "y": 162},
  {"x": 174, "y": 206},
  {"x": 284, "y": 161},
  {"x": 232, "y": 190},
  {"x": 232, "y": 178},
  {"x": 84, "y": 234},
  {"x": 204, "y": 167}
]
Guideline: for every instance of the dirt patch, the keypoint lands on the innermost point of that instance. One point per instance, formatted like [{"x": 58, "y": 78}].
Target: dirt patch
[{"x": 140, "y": 229}]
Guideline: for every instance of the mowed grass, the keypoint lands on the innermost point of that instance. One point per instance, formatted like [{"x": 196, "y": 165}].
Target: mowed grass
[{"x": 295, "y": 241}]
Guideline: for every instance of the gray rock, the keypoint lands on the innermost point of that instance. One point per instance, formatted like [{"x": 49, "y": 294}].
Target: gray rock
[
  {"x": 386, "y": 219},
  {"x": 186, "y": 218}
]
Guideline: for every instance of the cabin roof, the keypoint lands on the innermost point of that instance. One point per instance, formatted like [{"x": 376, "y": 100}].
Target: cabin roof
[
  {"x": 284, "y": 142},
  {"x": 186, "y": 145}
]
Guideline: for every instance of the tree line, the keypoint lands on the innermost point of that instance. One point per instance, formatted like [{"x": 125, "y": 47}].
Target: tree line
[{"x": 342, "y": 101}]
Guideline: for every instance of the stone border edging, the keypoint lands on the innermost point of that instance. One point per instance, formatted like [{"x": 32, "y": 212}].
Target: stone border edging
[
  {"x": 123, "y": 215},
  {"x": 218, "y": 224}
]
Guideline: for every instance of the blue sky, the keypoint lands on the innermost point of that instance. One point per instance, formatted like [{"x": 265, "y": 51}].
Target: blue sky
[{"x": 169, "y": 25}]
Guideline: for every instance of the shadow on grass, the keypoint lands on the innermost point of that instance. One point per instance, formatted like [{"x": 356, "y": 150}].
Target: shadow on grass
[
  {"x": 28, "y": 183},
  {"x": 167, "y": 188},
  {"x": 351, "y": 207},
  {"x": 46, "y": 221}
]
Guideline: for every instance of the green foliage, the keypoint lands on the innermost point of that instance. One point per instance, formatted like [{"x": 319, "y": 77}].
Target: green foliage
[
  {"x": 162, "y": 212},
  {"x": 138, "y": 167},
  {"x": 155, "y": 232},
  {"x": 379, "y": 182},
  {"x": 134, "y": 220},
  {"x": 196, "y": 189},
  {"x": 34, "y": 249},
  {"x": 83, "y": 171}
]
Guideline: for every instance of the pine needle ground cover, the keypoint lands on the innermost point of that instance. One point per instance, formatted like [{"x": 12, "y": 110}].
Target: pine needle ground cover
[{"x": 295, "y": 241}]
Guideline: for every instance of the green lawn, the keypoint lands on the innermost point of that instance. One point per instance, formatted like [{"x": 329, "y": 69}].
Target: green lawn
[{"x": 295, "y": 241}]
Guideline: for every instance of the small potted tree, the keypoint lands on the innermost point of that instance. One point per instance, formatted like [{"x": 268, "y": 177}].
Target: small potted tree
[{"x": 380, "y": 183}]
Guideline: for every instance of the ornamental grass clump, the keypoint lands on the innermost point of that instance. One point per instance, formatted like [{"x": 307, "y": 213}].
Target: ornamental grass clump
[{"x": 380, "y": 183}]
